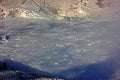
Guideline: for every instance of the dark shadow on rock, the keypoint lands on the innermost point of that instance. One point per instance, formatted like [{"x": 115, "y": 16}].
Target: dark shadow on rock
[
  {"x": 100, "y": 4},
  {"x": 97, "y": 71},
  {"x": 17, "y": 66}
]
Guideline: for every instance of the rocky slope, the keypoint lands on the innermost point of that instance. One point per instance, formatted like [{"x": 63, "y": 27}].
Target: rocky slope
[{"x": 58, "y": 9}]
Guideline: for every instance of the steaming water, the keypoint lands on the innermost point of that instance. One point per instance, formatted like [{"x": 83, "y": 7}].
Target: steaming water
[{"x": 57, "y": 47}]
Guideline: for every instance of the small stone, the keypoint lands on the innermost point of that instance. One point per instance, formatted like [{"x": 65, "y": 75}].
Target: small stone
[
  {"x": 89, "y": 44},
  {"x": 58, "y": 18},
  {"x": 12, "y": 59},
  {"x": 56, "y": 63},
  {"x": 7, "y": 37}
]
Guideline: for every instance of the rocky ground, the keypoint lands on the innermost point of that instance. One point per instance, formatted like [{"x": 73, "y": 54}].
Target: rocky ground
[{"x": 57, "y": 9}]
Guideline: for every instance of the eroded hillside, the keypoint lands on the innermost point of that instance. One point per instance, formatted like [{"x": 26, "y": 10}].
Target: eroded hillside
[{"x": 56, "y": 9}]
